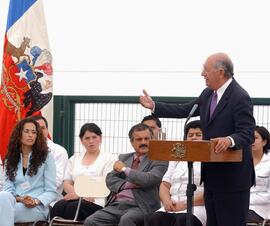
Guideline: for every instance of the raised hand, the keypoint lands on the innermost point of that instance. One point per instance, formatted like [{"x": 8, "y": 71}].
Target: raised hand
[{"x": 146, "y": 101}]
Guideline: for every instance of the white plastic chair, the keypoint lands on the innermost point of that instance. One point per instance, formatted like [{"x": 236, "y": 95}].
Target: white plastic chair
[
  {"x": 265, "y": 222},
  {"x": 84, "y": 186}
]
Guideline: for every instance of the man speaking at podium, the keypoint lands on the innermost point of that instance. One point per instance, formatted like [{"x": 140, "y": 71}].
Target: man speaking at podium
[{"x": 226, "y": 114}]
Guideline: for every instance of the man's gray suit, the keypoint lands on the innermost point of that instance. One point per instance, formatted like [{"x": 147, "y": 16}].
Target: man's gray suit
[{"x": 147, "y": 177}]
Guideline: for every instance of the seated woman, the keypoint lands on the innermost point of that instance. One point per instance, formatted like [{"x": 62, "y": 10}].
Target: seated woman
[
  {"x": 173, "y": 187},
  {"x": 92, "y": 162},
  {"x": 30, "y": 176},
  {"x": 259, "y": 207}
]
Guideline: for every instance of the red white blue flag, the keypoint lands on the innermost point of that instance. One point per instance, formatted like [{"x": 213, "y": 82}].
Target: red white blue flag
[{"x": 26, "y": 80}]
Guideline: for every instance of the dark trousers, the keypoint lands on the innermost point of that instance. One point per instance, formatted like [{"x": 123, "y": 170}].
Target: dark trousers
[
  {"x": 67, "y": 209},
  {"x": 226, "y": 208},
  {"x": 171, "y": 219}
]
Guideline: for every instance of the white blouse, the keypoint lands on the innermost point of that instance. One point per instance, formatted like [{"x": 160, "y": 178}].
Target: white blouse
[
  {"x": 260, "y": 194},
  {"x": 102, "y": 166},
  {"x": 177, "y": 176}
]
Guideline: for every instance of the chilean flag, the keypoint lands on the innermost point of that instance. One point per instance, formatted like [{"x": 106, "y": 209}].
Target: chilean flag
[{"x": 26, "y": 80}]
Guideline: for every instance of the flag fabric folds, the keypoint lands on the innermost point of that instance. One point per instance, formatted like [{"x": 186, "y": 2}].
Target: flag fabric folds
[{"x": 26, "y": 79}]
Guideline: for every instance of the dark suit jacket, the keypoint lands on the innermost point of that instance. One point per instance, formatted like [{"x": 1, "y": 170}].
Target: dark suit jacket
[
  {"x": 148, "y": 177},
  {"x": 233, "y": 117}
]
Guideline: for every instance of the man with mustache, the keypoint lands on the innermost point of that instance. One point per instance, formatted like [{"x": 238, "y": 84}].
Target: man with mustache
[{"x": 134, "y": 184}]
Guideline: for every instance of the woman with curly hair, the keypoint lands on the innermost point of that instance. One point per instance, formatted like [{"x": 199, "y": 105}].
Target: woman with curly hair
[{"x": 30, "y": 176}]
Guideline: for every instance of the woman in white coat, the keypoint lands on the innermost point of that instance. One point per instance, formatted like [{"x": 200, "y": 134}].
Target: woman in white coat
[{"x": 259, "y": 207}]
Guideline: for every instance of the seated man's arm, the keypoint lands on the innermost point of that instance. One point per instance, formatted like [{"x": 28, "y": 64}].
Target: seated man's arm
[
  {"x": 115, "y": 180},
  {"x": 150, "y": 177}
]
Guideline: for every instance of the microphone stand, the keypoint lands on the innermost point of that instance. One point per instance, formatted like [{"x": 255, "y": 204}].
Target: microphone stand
[{"x": 191, "y": 187}]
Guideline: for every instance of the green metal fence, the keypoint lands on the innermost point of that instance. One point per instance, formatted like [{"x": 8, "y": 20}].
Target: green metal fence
[{"x": 115, "y": 115}]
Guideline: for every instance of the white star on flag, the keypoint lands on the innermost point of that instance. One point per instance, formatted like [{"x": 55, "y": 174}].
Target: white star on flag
[{"x": 21, "y": 74}]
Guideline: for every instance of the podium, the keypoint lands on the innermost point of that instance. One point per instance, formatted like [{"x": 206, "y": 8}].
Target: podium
[{"x": 190, "y": 151}]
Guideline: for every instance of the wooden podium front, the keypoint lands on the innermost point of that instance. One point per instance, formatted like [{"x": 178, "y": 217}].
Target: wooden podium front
[{"x": 191, "y": 151}]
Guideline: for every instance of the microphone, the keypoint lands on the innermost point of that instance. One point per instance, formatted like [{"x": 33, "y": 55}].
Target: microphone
[{"x": 193, "y": 109}]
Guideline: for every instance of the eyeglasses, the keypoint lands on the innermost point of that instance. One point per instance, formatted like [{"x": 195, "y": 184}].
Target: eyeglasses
[
  {"x": 204, "y": 70},
  {"x": 28, "y": 131}
]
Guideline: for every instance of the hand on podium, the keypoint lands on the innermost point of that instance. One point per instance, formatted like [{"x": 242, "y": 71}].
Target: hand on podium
[{"x": 223, "y": 143}]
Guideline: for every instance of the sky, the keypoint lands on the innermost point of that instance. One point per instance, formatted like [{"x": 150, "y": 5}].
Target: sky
[{"x": 119, "y": 47}]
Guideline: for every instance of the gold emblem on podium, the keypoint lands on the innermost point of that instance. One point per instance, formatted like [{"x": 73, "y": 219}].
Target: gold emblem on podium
[{"x": 178, "y": 151}]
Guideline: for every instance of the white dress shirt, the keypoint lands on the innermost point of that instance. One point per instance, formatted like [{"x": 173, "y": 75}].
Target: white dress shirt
[{"x": 60, "y": 157}]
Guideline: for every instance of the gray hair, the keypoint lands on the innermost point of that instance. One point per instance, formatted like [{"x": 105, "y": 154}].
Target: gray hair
[
  {"x": 139, "y": 127},
  {"x": 226, "y": 65}
]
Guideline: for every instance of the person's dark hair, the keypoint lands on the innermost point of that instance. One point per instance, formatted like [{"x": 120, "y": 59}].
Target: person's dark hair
[
  {"x": 138, "y": 127},
  {"x": 91, "y": 127},
  {"x": 152, "y": 117},
  {"x": 192, "y": 125},
  {"x": 38, "y": 155},
  {"x": 264, "y": 133},
  {"x": 226, "y": 65},
  {"x": 40, "y": 117}
]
